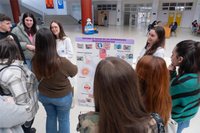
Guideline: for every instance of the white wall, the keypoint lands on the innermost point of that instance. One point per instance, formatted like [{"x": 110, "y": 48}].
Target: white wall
[
  {"x": 154, "y": 11},
  {"x": 187, "y": 17},
  {"x": 197, "y": 12},
  {"x": 112, "y": 14},
  {"x": 6, "y": 9}
]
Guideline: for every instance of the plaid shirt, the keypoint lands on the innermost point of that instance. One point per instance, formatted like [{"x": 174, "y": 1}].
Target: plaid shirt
[{"x": 21, "y": 85}]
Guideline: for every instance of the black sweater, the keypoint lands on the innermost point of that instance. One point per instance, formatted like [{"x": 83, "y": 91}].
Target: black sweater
[{"x": 5, "y": 34}]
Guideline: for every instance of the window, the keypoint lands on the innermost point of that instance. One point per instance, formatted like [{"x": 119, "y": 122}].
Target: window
[
  {"x": 165, "y": 8},
  {"x": 171, "y": 8},
  {"x": 181, "y": 4},
  {"x": 165, "y": 4},
  {"x": 188, "y": 8},
  {"x": 172, "y": 4},
  {"x": 76, "y": 8},
  {"x": 189, "y": 4},
  {"x": 114, "y": 5},
  {"x": 127, "y": 5}
]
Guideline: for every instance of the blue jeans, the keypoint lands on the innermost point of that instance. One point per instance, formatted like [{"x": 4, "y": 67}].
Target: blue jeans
[
  {"x": 28, "y": 61},
  {"x": 183, "y": 125},
  {"x": 57, "y": 108},
  {"x": 105, "y": 23}
]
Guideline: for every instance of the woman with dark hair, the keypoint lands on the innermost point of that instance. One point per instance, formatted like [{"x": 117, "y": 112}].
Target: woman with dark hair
[
  {"x": 194, "y": 26},
  {"x": 25, "y": 31},
  {"x": 154, "y": 85},
  {"x": 174, "y": 27},
  {"x": 118, "y": 103},
  {"x": 18, "y": 81},
  {"x": 184, "y": 86},
  {"x": 52, "y": 72},
  {"x": 63, "y": 46},
  {"x": 155, "y": 43}
]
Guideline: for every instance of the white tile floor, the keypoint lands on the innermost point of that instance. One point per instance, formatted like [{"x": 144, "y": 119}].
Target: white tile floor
[{"x": 125, "y": 32}]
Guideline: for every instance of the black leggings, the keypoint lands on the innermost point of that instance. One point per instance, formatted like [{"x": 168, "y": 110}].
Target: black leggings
[{"x": 27, "y": 126}]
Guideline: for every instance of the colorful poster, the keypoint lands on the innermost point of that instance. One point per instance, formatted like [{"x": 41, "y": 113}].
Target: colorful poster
[
  {"x": 60, "y": 4},
  {"x": 90, "y": 51},
  {"x": 49, "y": 4}
]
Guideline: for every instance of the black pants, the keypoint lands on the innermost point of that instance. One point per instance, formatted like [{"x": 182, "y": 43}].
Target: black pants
[{"x": 27, "y": 126}]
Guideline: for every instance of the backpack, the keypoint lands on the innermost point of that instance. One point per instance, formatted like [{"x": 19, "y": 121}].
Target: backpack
[{"x": 1, "y": 90}]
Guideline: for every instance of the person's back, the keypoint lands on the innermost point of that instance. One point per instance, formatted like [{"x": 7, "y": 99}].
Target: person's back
[{"x": 118, "y": 104}]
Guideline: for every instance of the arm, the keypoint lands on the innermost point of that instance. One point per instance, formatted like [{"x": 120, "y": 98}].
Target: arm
[
  {"x": 69, "y": 48},
  {"x": 11, "y": 114},
  {"x": 71, "y": 68},
  {"x": 16, "y": 31},
  {"x": 160, "y": 52}
]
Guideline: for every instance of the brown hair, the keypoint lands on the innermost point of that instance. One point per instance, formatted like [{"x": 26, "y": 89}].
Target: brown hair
[
  {"x": 4, "y": 17},
  {"x": 62, "y": 33},
  {"x": 46, "y": 60},
  {"x": 154, "y": 85},
  {"x": 9, "y": 50},
  {"x": 160, "y": 43},
  {"x": 33, "y": 29},
  {"x": 117, "y": 98}
]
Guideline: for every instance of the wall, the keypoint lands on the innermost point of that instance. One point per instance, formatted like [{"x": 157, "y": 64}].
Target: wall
[
  {"x": 6, "y": 9},
  {"x": 74, "y": 14},
  {"x": 188, "y": 16},
  {"x": 112, "y": 14}
]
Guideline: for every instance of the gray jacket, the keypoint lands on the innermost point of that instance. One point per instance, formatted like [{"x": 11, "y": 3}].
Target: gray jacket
[
  {"x": 24, "y": 39},
  {"x": 12, "y": 117}
]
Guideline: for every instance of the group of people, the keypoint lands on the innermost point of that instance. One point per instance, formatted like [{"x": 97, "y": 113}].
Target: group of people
[
  {"x": 124, "y": 98},
  {"x": 28, "y": 53}
]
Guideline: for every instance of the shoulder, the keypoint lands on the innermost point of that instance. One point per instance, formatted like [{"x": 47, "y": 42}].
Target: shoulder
[{"x": 88, "y": 122}]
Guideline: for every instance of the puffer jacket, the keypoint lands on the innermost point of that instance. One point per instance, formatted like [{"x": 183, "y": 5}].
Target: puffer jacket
[{"x": 24, "y": 40}]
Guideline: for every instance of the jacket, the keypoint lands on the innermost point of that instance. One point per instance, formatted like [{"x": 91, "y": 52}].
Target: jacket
[
  {"x": 24, "y": 39},
  {"x": 20, "y": 83},
  {"x": 12, "y": 117}
]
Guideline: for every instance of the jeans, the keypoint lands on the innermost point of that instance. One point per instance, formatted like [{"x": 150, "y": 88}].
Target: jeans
[
  {"x": 194, "y": 29},
  {"x": 57, "y": 108},
  {"x": 105, "y": 23},
  {"x": 183, "y": 125},
  {"x": 28, "y": 61}
]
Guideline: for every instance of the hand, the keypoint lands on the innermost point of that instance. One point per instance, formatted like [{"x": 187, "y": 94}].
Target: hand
[
  {"x": 10, "y": 100},
  {"x": 10, "y": 37},
  {"x": 30, "y": 47},
  {"x": 171, "y": 68}
]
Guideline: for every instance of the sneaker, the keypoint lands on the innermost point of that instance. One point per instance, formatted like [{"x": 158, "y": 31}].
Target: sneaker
[
  {"x": 33, "y": 130},
  {"x": 73, "y": 103}
]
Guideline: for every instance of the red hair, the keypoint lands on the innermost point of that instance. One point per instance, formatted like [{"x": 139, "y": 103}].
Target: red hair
[{"x": 154, "y": 85}]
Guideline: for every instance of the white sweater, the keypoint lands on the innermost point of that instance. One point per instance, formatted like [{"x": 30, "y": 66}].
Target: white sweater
[
  {"x": 160, "y": 52},
  {"x": 65, "y": 49}
]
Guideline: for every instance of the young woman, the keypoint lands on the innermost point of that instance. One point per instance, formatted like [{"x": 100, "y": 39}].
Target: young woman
[
  {"x": 174, "y": 27},
  {"x": 18, "y": 81},
  {"x": 194, "y": 26},
  {"x": 118, "y": 103},
  {"x": 52, "y": 72},
  {"x": 155, "y": 43},
  {"x": 25, "y": 31},
  {"x": 184, "y": 86},
  {"x": 153, "y": 77},
  {"x": 63, "y": 46}
]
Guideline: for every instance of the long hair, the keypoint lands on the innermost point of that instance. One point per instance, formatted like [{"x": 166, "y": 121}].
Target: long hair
[
  {"x": 9, "y": 50},
  {"x": 190, "y": 51},
  {"x": 117, "y": 98},
  {"x": 45, "y": 62},
  {"x": 33, "y": 29},
  {"x": 160, "y": 43},
  {"x": 62, "y": 33},
  {"x": 154, "y": 85}
]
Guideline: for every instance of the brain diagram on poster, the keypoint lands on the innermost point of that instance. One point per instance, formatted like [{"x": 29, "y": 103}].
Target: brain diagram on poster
[{"x": 90, "y": 51}]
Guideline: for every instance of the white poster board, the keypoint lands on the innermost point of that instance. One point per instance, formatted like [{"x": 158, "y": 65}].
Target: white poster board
[{"x": 90, "y": 51}]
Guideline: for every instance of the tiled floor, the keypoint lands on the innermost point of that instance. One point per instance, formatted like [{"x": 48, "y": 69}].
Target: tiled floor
[{"x": 125, "y": 32}]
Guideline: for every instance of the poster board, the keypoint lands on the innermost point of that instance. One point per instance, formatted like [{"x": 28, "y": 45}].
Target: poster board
[{"x": 90, "y": 51}]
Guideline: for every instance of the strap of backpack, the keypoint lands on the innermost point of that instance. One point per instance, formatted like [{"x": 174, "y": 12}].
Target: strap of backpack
[{"x": 159, "y": 121}]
